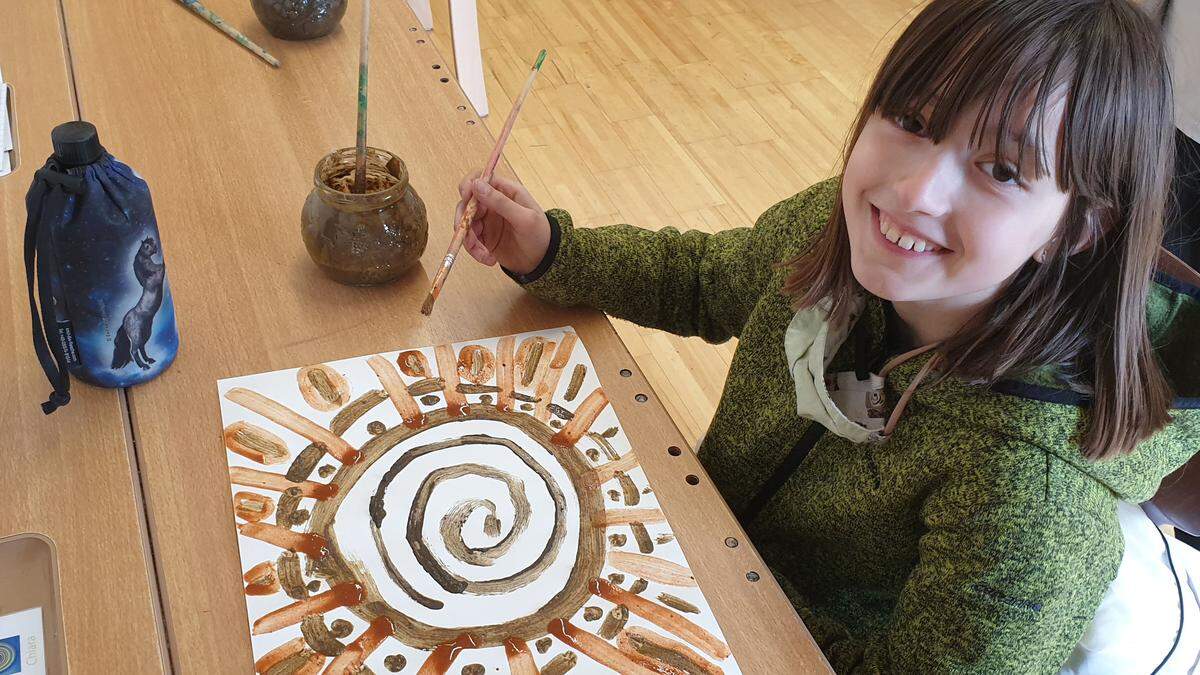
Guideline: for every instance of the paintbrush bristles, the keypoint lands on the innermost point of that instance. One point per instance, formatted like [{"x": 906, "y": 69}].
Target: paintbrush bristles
[
  {"x": 360, "y": 154},
  {"x": 460, "y": 229}
]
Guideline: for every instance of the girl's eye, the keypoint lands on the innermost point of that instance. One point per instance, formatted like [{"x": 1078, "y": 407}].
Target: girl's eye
[
  {"x": 912, "y": 123},
  {"x": 1004, "y": 173}
]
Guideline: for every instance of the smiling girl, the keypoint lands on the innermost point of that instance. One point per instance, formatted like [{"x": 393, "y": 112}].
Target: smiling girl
[{"x": 953, "y": 358}]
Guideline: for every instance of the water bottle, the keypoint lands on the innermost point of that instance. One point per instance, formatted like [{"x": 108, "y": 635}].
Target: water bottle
[{"x": 98, "y": 294}]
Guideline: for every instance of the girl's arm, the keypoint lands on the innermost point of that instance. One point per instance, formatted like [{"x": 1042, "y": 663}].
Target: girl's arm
[{"x": 687, "y": 283}]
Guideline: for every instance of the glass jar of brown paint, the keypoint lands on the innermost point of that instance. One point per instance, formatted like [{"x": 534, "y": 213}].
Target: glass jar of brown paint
[{"x": 369, "y": 238}]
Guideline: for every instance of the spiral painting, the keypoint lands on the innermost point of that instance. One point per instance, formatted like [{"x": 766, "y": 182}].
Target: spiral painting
[{"x": 470, "y": 508}]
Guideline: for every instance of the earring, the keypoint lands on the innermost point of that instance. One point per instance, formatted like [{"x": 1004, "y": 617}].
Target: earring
[{"x": 1041, "y": 256}]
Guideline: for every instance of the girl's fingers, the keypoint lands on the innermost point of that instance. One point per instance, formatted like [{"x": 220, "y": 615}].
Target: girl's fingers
[
  {"x": 477, "y": 250},
  {"x": 515, "y": 191},
  {"x": 464, "y": 186}
]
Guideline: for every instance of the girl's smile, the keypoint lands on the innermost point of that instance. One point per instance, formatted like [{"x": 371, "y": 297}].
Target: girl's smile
[{"x": 897, "y": 238}]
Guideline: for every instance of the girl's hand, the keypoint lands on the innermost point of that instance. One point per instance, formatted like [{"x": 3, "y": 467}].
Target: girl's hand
[{"x": 508, "y": 228}]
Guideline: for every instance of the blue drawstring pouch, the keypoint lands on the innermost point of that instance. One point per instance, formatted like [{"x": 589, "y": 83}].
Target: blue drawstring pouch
[{"x": 98, "y": 294}]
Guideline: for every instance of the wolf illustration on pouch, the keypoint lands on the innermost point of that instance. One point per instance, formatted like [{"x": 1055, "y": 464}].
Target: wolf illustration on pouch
[{"x": 135, "y": 329}]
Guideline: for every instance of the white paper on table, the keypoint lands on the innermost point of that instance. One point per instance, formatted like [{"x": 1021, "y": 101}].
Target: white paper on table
[
  {"x": 22, "y": 644},
  {"x": 479, "y": 441},
  {"x": 6, "y": 141}
]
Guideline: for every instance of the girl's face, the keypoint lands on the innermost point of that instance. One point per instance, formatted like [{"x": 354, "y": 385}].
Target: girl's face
[{"x": 946, "y": 222}]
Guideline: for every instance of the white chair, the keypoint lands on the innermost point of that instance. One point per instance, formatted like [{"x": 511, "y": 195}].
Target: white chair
[{"x": 468, "y": 55}]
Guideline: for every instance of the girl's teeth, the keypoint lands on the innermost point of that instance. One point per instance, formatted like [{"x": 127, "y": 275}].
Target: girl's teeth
[{"x": 904, "y": 241}]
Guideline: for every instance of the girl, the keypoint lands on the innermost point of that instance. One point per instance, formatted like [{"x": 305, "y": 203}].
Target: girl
[{"x": 953, "y": 361}]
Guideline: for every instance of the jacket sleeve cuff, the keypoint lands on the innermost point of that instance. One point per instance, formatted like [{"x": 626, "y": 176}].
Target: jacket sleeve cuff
[{"x": 548, "y": 259}]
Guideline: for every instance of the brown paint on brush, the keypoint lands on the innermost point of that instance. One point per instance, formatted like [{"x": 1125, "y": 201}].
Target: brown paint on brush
[
  {"x": 614, "y": 622},
  {"x": 341, "y": 595},
  {"x": 626, "y": 516},
  {"x": 606, "y": 472},
  {"x": 560, "y": 664},
  {"x": 504, "y": 373},
  {"x": 577, "y": 376},
  {"x": 280, "y": 654},
  {"x": 426, "y": 386},
  {"x": 520, "y": 659},
  {"x": 287, "y": 567},
  {"x": 642, "y": 537},
  {"x": 442, "y": 657},
  {"x": 664, "y": 618},
  {"x": 355, "y": 655},
  {"x": 548, "y": 382},
  {"x": 302, "y": 467},
  {"x": 255, "y": 443},
  {"x": 252, "y": 507},
  {"x": 261, "y": 579},
  {"x": 357, "y": 408},
  {"x": 654, "y": 569},
  {"x": 313, "y": 545},
  {"x": 585, "y": 416},
  {"x": 323, "y": 387},
  {"x": 413, "y": 363},
  {"x": 318, "y": 637},
  {"x": 239, "y": 475},
  {"x": 596, "y": 649},
  {"x": 663, "y": 649},
  {"x": 676, "y": 602},
  {"x": 456, "y": 403},
  {"x": 293, "y": 421},
  {"x": 405, "y": 404},
  {"x": 528, "y": 356},
  {"x": 639, "y": 586},
  {"x": 475, "y": 364}
]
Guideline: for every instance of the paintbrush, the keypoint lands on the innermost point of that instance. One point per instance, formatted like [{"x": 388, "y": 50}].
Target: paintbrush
[
  {"x": 232, "y": 32},
  {"x": 360, "y": 153},
  {"x": 468, "y": 214}
]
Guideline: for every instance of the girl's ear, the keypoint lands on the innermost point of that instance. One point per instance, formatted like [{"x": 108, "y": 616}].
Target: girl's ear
[{"x": 1094, "y": 227}]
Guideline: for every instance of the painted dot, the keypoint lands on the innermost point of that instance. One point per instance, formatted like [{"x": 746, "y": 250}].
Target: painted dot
[
  {"x": 395, "y": 663},
  {"x": 340, "y": 628},
  {"x": 375, "y": 428}
]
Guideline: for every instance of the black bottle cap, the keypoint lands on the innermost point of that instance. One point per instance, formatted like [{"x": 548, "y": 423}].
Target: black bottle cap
[{"x": 76, "y": 143}]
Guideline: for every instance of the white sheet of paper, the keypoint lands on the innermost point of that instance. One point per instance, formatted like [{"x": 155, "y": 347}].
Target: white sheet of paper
[
  {"x": 22, "y": 643},
  {"x": 351, "y": 530}
]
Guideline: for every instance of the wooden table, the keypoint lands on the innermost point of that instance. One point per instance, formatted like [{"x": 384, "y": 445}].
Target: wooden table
[
  {"x": 228, "y": 146},
  {"x": 72, "y": 476}
]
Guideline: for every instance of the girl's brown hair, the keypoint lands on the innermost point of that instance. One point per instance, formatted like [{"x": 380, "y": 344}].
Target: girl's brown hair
[{"x": 1083, "y": 312}]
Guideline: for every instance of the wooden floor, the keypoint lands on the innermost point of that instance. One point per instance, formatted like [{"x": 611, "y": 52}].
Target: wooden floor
[{"x": 693, "y": 113}]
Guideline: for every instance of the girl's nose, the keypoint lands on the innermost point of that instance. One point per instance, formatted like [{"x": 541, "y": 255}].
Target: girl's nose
[{"x": 927, "y": 184}]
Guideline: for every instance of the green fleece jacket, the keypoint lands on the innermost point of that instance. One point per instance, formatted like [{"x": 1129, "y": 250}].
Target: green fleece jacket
[{"x": 977, "y": 539}]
